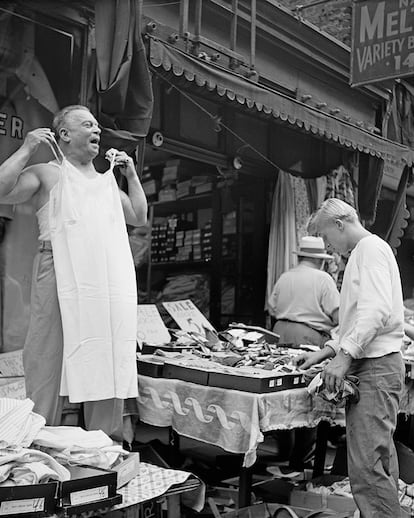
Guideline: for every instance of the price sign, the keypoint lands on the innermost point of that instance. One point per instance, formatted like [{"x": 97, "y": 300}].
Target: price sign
[
  {"x": 150, "y": 326},
  {"x": 382, "y": 40},
  {"x": 188, "y": 316},
  {"x": 31, "y": 505},
  {"x": 88, "y": 495},
  {"x": 11, "y": 363}
]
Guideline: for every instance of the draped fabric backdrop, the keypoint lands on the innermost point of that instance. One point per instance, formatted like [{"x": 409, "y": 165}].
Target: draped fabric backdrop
[{"x": 282, "y": 235}]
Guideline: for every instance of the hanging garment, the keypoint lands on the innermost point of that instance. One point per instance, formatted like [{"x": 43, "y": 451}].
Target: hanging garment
[
  {"x": 339, "y": 185},
  {"x": 282, "y": 235},
  {"x": 302, "y": 206},
  {"x": 96, "y": 286}
]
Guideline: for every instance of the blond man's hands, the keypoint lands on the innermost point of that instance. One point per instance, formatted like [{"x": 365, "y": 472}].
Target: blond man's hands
[
  {"x": 305, "y": 360},
  {"x": 334, "y": 373}
]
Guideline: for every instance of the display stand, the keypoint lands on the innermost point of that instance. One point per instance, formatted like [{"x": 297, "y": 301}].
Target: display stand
[{"x": 146, "y": 493}]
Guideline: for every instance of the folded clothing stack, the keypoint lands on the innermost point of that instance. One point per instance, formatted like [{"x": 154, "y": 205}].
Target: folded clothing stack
[
  {"x": 21, "y": 466},
  {"x": 74, "y": 445},
  {"x": 52, "y": 447}
]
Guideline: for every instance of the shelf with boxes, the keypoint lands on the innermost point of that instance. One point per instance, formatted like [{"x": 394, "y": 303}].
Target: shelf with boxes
[
  {"x": 180, "y": 200},
  {"x": 204, "y": 225},
  {"x": 176, "y": 179},
  {"x": 173, "y": 242},
  {"x": 181, "y": 196}
]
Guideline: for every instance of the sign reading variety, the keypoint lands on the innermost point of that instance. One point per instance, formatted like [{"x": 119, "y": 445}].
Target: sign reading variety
[{"x": 382, "y": 40}]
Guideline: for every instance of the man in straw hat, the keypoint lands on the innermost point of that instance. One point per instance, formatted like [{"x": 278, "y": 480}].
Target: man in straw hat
[
  {"x": 305, "y": 299},
  {"x": 305, "y": 302},
  {"x": 371, "y": 330}
]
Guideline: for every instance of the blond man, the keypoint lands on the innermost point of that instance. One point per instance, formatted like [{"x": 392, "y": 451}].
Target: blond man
[{"x": 371, "y": 328}]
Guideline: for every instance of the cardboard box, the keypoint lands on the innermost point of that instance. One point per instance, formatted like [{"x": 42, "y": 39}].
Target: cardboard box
[
  {"x": 31, "y": 501},
  {"x": 267, "y": 383},
  {"x": 179, "y": 372},
  {"x": 127, "y": 469},
  {"x": 89, "y": 488},
  {"x": 309, "y": 499},
  {"x": 312, "y": 500},
  {"x": 98, "y": 508}
]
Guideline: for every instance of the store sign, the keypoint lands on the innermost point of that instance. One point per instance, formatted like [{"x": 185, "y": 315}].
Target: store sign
[
  {"x": 382, "y": 40},
  {"x": 188, "y": 316},
  {"x": 150, "y": 326}
]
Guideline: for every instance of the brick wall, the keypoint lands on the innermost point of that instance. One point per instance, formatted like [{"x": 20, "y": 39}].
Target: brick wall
[{"x": 333, "y": 17}]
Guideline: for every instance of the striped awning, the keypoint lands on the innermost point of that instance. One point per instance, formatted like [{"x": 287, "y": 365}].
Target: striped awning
[{"x": 238, "y": 89}]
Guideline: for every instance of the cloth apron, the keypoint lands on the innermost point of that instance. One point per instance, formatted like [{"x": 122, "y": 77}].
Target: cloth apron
[{"x": 96, "y": 287}]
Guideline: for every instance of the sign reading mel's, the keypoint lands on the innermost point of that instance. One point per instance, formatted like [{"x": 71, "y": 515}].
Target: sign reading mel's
[{"x": 382, "y": 40}]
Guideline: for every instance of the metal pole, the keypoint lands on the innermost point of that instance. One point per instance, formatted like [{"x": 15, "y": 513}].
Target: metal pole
[
  {"x": 183, "y": 17},
  {"x": 198, "y": 15},
  {"x": 233, "y": 29},
  {"x": 253, "y": 34}
]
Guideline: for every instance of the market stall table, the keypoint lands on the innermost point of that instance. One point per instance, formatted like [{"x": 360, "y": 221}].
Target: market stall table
[
  {"x": 230, "y": 419},
  {"x": 235, "y": 420},
  {"x": 154, "y": 482}
]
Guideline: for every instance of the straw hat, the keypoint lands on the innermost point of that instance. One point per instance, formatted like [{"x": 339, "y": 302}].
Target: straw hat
[{"x": 311, "y": 246}]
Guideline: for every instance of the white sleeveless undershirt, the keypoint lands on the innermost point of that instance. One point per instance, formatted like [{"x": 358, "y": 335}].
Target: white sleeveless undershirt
[{"x": 43, "y": 221}]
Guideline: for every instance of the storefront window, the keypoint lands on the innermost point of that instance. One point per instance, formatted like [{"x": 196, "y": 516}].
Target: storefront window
[{"x": 40, "y": 72}]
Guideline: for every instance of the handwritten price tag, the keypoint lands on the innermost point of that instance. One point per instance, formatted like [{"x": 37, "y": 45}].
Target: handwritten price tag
[
  {"x": 89, "y": 495},
  {"x": 30, "y": 505}
]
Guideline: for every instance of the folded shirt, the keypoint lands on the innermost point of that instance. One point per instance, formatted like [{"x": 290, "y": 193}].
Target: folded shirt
[
  {"x": 99, "y": 457},
  {"x": 68, "y": 437},
  {"x": 25, "y": 466},
  {"x": 18, "y": 424},
  {"x": 33, "y": 473}
]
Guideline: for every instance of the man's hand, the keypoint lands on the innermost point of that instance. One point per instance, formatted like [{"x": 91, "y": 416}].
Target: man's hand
[
  {"x": 334, "y": 373},
  {"x": 307, "y": 359},
  {"x": 36, "y": 137},
  {"x": 125, "y": 164}
]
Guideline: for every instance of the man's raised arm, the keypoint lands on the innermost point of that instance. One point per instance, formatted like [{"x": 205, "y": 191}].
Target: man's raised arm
[
  {"x": 135, "y": 203},
  {"x": 16, "y": 187}
]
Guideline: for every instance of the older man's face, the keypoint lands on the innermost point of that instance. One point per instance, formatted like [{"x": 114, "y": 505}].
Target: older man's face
[{"x": 84, "y": 132}]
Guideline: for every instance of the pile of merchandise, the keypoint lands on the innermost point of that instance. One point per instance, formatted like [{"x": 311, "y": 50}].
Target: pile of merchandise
[{"x": 32, "y": 453}]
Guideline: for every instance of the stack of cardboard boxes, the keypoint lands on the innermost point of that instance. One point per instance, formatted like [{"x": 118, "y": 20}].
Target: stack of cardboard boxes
[
  {"x": 175, "y": 180},
  {"x": 170, "y": 243}
]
